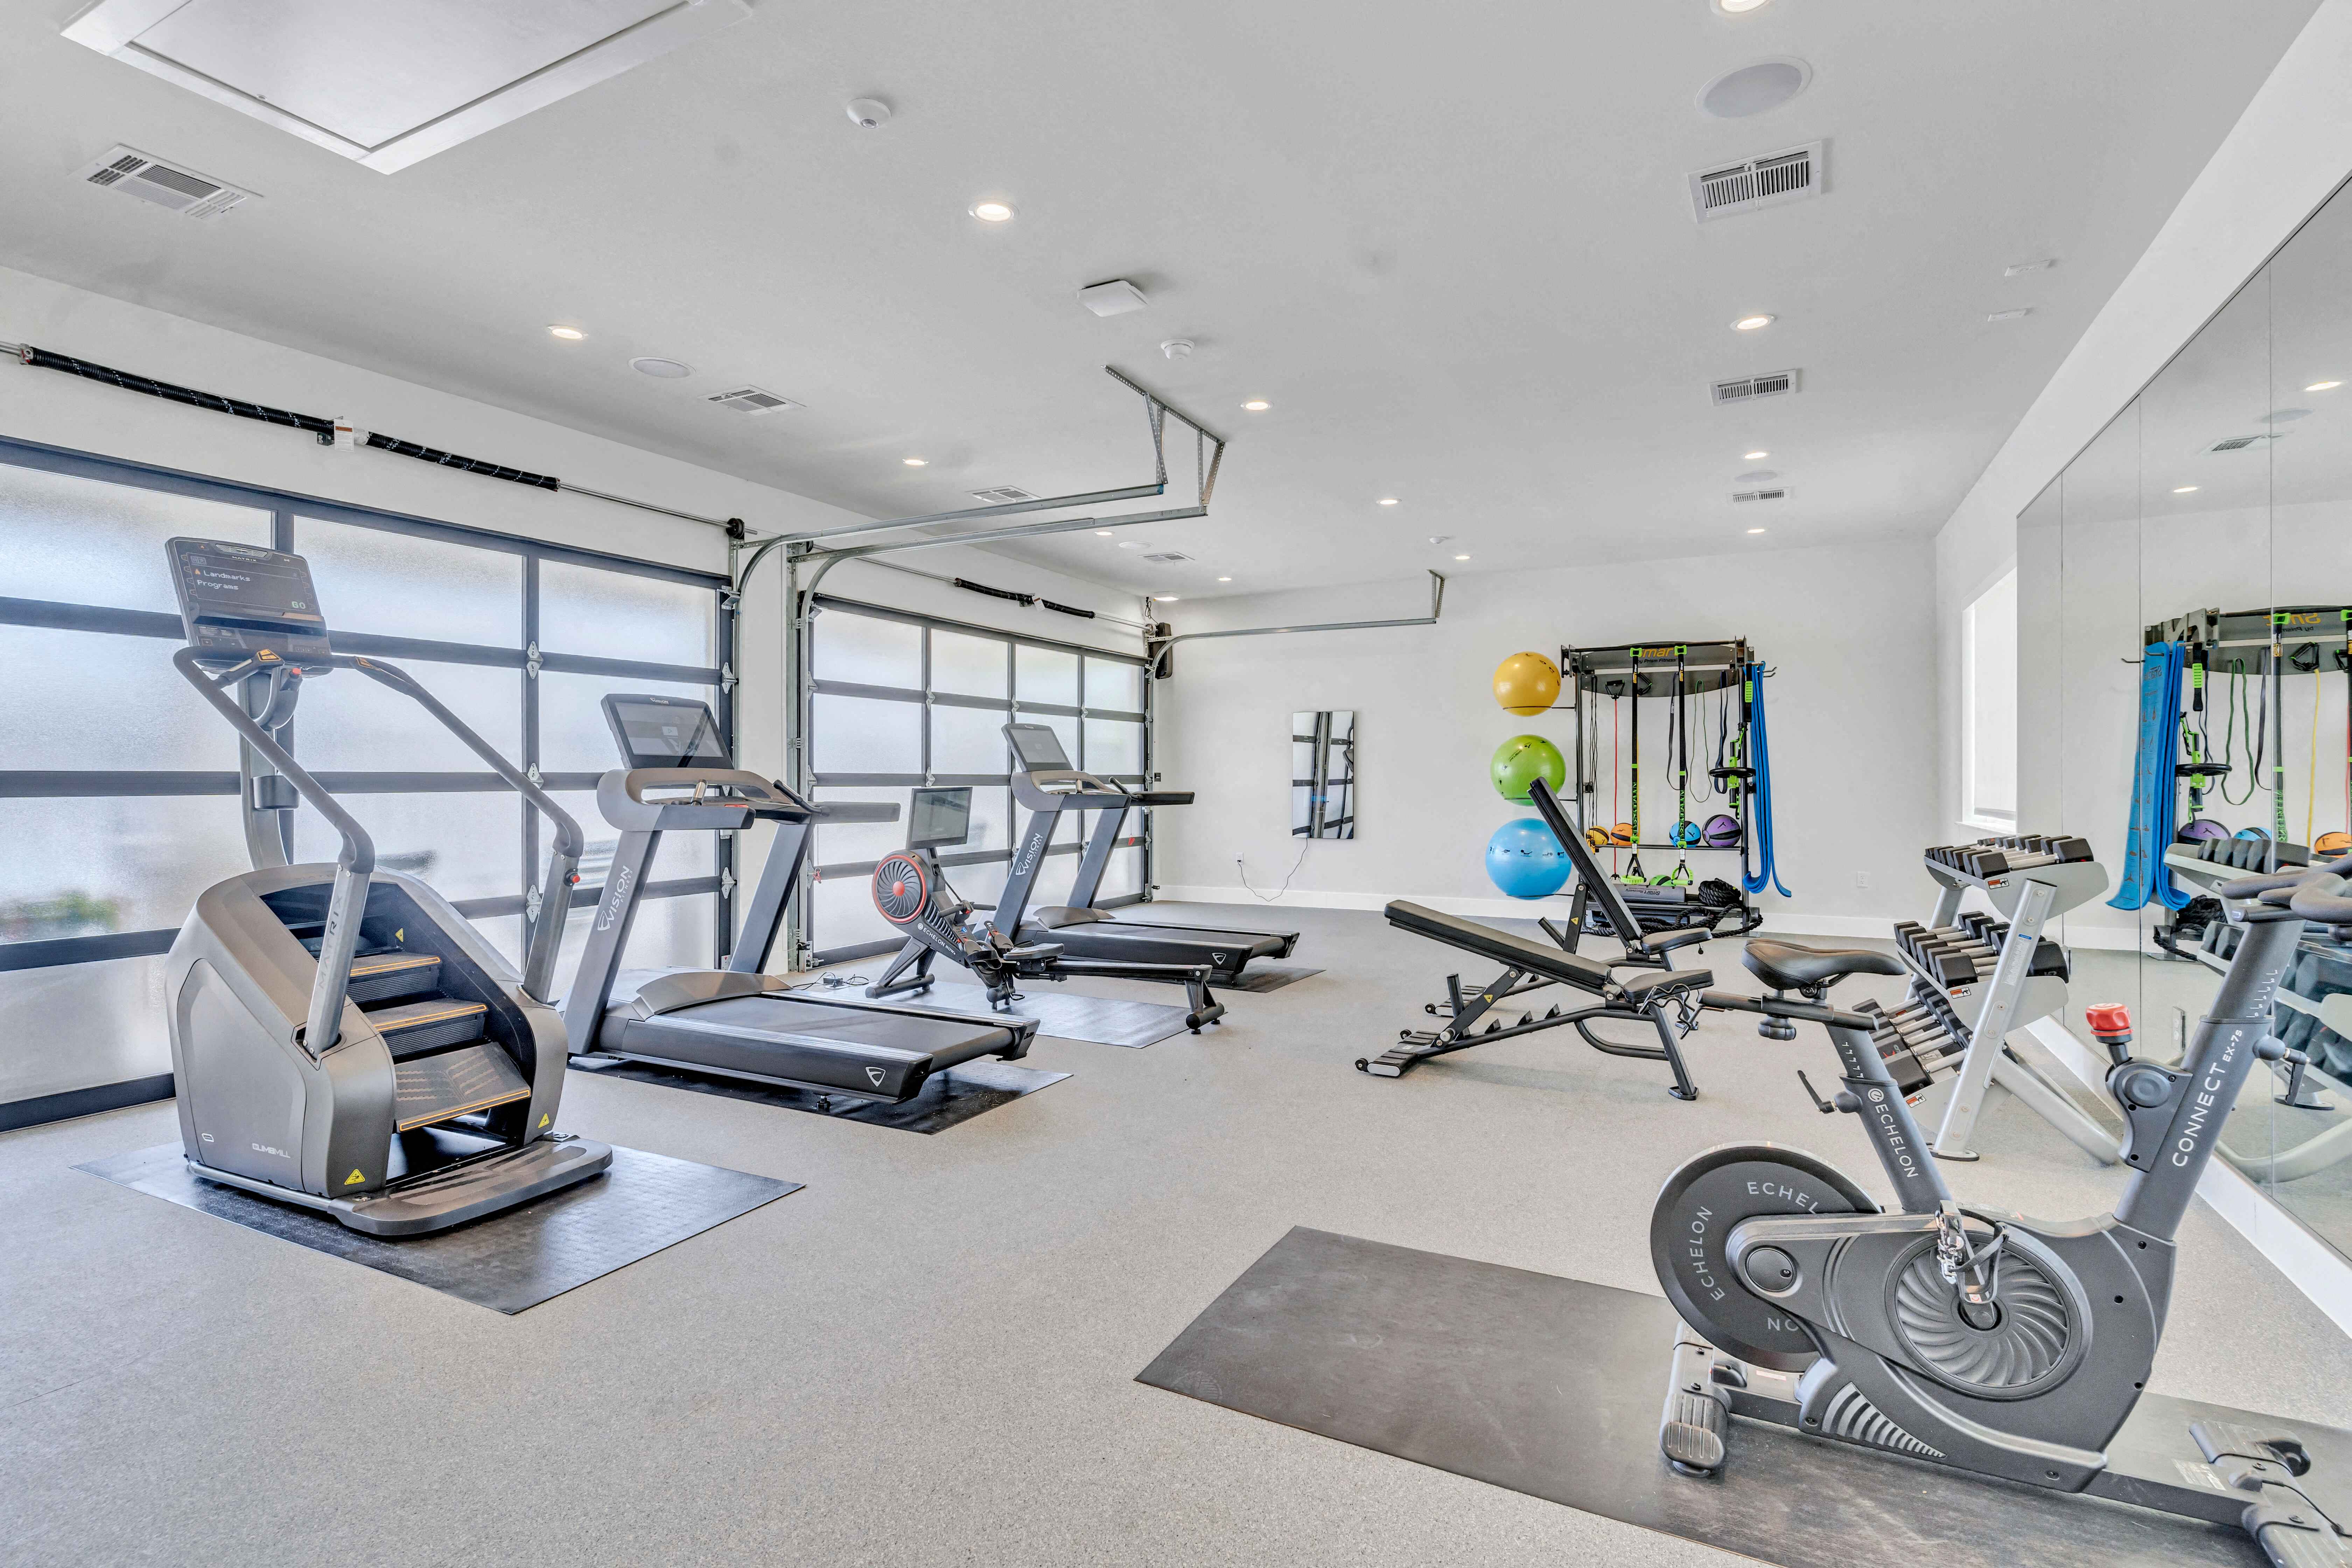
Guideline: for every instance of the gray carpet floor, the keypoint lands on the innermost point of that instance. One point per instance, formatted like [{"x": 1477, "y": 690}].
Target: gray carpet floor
[{"x": 928, "y": 1356}]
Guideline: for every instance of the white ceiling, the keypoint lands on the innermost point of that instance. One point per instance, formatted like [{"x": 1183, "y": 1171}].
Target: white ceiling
[{"x": 1451, "y": 245}]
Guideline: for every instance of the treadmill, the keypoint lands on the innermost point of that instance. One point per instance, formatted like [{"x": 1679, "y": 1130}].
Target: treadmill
[
  {"x": 740, "y": 1022},
  {"x": 1047, "y": 785}
]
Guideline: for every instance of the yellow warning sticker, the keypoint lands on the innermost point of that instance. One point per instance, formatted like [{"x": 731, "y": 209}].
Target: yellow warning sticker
[
  {"x": 544, "y": 1119},
  {"x": 354, "y": 1178}
]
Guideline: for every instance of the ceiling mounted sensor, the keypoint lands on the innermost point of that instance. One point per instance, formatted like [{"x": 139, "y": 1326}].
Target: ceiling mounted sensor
[
  {"x": 1776, "y": 493},
  {"x": 868, "y": 113},
  {"x": 1003, "y": 495},
  {"x": 1178, "y": 348},
  {"x": 1755, "y": 90},
  {"x": 168, "y": 185},
  {"x": 1773, "y": 179},
  {"x": 389, "y": 86},
  {"x": 1113, "y": 297},
  {"x": 1748, "y": 388},
  {"x": 750, "y": 400},
  {"x": 661, "y": 369}
]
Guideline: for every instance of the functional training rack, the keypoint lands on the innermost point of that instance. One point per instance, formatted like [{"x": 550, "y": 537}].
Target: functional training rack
[
  {"x": 1976, "y": 980},
  {"x": 1673, "y": 670}
]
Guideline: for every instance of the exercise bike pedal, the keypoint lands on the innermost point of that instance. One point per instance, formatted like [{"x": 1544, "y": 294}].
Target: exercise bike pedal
[{"x": 1697, "y": 1416}]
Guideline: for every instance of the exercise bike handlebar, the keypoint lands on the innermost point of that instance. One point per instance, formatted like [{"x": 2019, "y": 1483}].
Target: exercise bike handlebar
[
  {"x": 2322, "y": 899},
  {"x": 339, "y": 938},
  {"x": 563, "y": 866}
]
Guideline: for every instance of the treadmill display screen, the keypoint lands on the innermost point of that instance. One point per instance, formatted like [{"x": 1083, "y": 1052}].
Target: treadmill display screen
[
  {"x": 665, "y": 732},
  {"x": 1039, "y": 749},
  {"x": 939, "y": 817}
]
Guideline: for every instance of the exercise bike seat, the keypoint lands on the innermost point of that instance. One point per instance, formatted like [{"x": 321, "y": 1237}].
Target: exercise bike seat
[{"x": 1791, "y": 966}]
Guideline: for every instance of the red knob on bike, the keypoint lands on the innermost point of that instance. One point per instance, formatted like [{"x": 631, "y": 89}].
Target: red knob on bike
[{"x": 2111, "y": 1022}]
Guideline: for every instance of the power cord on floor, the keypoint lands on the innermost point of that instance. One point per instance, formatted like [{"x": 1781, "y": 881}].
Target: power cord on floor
[{"x": 1266, "y": 899}]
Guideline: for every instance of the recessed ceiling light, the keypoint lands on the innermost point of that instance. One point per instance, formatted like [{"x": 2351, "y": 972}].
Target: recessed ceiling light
[
  {"x": 1755, "y": 531},
  {"x": 1388, "y": 501},
  {"x": 665, "y": 369},
  {"x": 1102, "y": 533},
  {"x": 1224, "y": 579},
  {"x": 1258, "y": 406},
  {"x": 569, "y": 334},
  {"x": 992, "y": 212},
  {"x": 1753, "y": 456},
  {"x": 2183, "y": 490},
  {"x": 1749, "y": 324},
  {"x": 1739, "y": 7},
  {"x": 1165, "y": 598},
  {"x": 1461, "y": 558},
  {"x": 916, "y": 462},
  {"x": 2323, "y": 387}
]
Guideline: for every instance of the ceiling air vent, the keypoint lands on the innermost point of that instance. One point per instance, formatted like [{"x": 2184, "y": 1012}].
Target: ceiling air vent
[
  {"x": 2243, "y": 443},
  {"x": 1771, "y": 384},
  {"x": 1003, "y": 495},
  {"x": 1778, "y": 492},
  {"x": 750, "y": 400},
  {"x": 182, "y": 191},
  {"x": 1770, "y": 181},
  {"x": 1167, "y": 557}
]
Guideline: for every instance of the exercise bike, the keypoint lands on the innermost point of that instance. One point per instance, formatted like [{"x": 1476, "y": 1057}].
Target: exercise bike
[
  {"x": 1974, "y": 1338},
  {"x": 911, "y": 891}
]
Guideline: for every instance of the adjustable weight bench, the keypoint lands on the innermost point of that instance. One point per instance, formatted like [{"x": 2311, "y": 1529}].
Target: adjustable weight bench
[{"x": 1655, "y": 997}]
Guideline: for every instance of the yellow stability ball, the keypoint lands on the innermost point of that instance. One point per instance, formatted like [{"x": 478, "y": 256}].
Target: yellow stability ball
[{"x": 1527, "y": 683}]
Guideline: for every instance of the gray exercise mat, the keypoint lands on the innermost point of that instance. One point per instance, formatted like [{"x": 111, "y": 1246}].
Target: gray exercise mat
[
  {"x": 1266, "y": 977},
  {"x": 507, "y": 1262},
  {"x": 1100, "y": 1020},
  {"x": 1552, "y": 1388},
  {"x": 946, "y": 1099}
]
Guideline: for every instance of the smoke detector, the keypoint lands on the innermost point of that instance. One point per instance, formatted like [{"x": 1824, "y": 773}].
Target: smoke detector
[
  {"x": 169, "y": 186},
  {"x": 1747, "y": 388},
  {"x": 1773, "y": 179},
  {"x": 1177, "y": 348},
  {"x": 868, "y": 113},
  {"x": 750, "y": 400},
  {"x": 1113, "y": 297},
  {"x": 1003, "y": 495}
]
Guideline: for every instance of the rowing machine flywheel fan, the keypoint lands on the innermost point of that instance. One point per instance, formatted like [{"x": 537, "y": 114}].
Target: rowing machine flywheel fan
[{"x": 902, "y": 890}]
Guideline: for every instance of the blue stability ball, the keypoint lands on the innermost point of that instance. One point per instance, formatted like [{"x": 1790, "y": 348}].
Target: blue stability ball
[{"x": 1524, "y": 861}]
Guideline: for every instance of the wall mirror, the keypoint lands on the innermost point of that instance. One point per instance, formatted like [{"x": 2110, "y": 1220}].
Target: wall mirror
[{"x": 1323, "y": 774}]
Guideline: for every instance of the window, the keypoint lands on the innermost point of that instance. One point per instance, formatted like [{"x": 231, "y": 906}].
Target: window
[
  {"x": 1988, "y": 708},
  {"x": 902, "y": 699},
  {"x": 117, "y": 798}
]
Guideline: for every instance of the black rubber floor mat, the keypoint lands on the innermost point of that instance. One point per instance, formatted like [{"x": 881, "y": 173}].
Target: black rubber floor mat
[
  {"x": 508, "y": 1262},
  {"x": 1099, "y": 1020},
  {"x": 1267, "y": 977},
  {"x": 954, "y": 1095},
  {"x": 1551, "y": 1387}
]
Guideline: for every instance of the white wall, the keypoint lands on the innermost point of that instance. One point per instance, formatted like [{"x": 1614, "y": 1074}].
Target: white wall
[
  {"x": 1851, "y": 713},
  {"x": 2286, "y": 153}
]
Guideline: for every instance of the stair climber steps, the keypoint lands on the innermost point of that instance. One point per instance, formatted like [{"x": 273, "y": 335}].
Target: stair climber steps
[
  {"x": 451, "y": 1083},
  {"x": 432, "y": 1024},
  {"x": 392, "y": 975}
]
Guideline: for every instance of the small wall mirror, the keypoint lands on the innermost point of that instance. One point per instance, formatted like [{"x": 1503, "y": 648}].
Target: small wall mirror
[{"x": 1323, "y": 774}]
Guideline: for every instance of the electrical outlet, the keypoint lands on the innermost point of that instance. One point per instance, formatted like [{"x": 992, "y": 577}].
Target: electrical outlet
[{"x": 1862, "y": 880}]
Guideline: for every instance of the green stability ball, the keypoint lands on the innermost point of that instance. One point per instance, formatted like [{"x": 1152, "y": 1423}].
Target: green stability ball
[{"x": 1523, "y": 759}]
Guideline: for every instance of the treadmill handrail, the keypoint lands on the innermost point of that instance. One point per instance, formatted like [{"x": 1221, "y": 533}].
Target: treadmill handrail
[
  {"x": 339, "y": 938},
  {"x": 563, "y": 866}
]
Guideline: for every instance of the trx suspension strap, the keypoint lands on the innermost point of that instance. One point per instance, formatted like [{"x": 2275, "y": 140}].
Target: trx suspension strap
[
  {"x": 2155, "y": 788},
  {"x": 1760, "y": 757},
  {"x": 1634, "y": 767},
  {"x": 1682, "y": 874}
]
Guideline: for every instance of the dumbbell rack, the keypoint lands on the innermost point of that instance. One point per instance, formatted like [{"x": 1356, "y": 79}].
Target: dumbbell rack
[{"x": 1978, "y": 1010}]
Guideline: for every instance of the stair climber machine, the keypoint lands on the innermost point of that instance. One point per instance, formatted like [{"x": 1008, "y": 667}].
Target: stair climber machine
[
  {"x": 911, "y": 891},
  {"x": 341, "y": 1037},
  {"x": 1044, "y": 782},
  {"x": 739, "y": 1022},
  {"x": 1974, "y": 1338}
]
